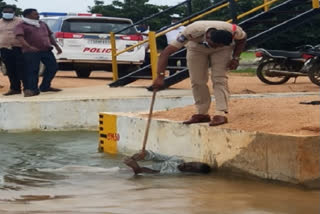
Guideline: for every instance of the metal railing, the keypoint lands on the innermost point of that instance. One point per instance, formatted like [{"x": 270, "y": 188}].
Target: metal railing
[
  {"x": 113, "y": 38},
  {"x": 152, "y": 36}
]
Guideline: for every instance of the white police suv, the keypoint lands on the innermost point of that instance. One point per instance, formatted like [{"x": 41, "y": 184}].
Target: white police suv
[{"x": 85, "y": 42}]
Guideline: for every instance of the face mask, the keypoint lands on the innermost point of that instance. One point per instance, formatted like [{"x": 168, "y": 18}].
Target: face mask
[{"x": 7, "y": 15}]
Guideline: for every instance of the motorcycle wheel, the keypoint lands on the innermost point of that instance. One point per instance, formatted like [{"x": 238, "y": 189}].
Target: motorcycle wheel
[
  {"x": 264, "y": 74},
  {"x": 314, "y": 74}
]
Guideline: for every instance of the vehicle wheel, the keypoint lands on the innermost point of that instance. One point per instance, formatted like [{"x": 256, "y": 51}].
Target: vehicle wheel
[
  {"x": 268, "y": 77},
  {"x": 314, "y": 73},
  {"x": 83, "y": 73}
]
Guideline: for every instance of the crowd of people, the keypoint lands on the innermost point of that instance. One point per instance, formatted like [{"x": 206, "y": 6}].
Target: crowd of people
[{"x": 24, "y": 43}]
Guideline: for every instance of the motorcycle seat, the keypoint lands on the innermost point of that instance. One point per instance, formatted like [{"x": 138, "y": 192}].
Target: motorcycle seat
[{"x": 286, "y": 54}]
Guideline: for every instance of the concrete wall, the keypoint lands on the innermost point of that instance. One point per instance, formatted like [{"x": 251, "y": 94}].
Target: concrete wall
[
  {"x": 293, "y": 159},
  {"x": 73, "y": 114}
]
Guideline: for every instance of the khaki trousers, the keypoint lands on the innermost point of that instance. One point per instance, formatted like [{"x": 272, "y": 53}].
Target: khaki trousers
[{"x": 198, "y": 59}]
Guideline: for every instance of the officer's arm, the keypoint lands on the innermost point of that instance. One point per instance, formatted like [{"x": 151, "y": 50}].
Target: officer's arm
[
  {"x": 239, "y": 48},
  {"x": 163, "y": 59}
]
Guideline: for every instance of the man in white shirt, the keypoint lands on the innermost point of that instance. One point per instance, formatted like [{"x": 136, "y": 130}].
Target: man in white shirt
[{"x": 172, "y": 36}]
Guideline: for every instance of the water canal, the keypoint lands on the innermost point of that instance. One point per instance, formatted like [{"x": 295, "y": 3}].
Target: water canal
[{"x": 62, "y": 172}]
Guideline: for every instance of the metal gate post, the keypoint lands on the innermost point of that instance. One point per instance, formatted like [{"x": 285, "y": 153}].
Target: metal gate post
[
  {"x": 115, "y": 75},
  {"x": 266, "y": 8},
  {"x": 153, "y": 53}
]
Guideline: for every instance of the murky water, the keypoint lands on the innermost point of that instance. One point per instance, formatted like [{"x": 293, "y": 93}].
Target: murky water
[{"x": 62, "y": 172}]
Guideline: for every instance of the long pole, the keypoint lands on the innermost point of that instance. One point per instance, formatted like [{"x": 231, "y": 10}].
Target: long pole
[{"x": 149, "y": 121}]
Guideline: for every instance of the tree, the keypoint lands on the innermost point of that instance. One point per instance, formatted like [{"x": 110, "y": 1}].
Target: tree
[
  {"x": 139, "y": 9},
  {"x": 133, "y": 9},
  {"x": 2, "y": 3}
]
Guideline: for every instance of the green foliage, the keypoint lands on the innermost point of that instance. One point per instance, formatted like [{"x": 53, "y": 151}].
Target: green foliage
[
  {"x": 2, "y": 4},
  {"x": 133, "y": 9},
  {"x": 248, "y": 56},
  {"x": 247, "y": 71},
  {"x": 306, "y": 33}
]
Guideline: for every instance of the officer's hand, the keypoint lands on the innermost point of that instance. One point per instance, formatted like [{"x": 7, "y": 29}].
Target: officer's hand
[
  {"x": 158, "y": 83},
  {"x": 233, "y": 64}
]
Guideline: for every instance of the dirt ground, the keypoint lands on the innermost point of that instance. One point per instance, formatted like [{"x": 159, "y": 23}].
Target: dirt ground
[
  {"x": 272, "y": 115},
  {"x": 238, "y": 83}
]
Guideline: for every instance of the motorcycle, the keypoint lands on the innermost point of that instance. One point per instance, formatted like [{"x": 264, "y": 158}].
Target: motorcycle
[
  {"x": 312, "y": 65},
  {"x": 276, "y": 67}
]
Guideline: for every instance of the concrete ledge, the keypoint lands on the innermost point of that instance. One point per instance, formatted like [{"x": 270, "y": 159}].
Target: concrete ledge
[
  {"x": 73, "y": 114},
  {"x": 293, "y": 159},
  {"x": 67, "y": 111}
]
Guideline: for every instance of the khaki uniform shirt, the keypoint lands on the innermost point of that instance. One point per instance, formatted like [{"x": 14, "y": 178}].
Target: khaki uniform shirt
[
  {"x": 194, "y": 33},
  {"x": 7, "y": 35}
]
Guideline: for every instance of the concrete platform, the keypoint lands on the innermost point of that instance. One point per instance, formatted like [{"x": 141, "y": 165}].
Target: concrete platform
[
  {"x": 293, "y": 159},
  {"x": 78, "y": 108}
]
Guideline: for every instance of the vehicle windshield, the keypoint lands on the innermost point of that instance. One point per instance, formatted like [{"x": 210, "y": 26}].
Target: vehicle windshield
[
  {"x": 96, "y": 26},
  {"x": 53, "y": 24}
]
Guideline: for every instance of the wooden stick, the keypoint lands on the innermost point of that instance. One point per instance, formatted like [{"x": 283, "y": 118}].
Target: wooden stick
[{"x": 149, "y": 121}]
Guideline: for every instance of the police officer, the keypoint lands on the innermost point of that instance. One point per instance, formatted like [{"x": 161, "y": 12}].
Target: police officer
[{"x": 216, "y": 43}]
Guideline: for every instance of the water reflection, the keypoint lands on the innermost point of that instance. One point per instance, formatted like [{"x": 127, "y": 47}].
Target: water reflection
[{"x": 61, "y": 172}]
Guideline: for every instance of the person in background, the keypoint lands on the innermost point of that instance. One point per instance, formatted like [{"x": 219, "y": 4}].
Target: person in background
[
  {"x": 172, "y": 36},
  {"x": 215, "y": 43},
  {"x": 10, "y": 49},
  {"x": 164, "y": 164},
  {"x": 37, "y": 41},
  {"x": 144, "y": 29}
]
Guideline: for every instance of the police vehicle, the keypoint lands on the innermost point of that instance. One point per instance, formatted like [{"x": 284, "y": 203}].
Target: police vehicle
[{"x": 85, "y": 42}]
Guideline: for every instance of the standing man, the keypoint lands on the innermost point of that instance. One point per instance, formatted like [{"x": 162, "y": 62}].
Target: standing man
[
  {"x": 10, "y": 49},
  {"x": 37, "y": 41},
  {"x": 216, "y": 43},
  {"x": 172, "y": 36}
]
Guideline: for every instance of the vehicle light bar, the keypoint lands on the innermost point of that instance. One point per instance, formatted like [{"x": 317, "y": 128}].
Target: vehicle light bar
[{"x": 47, "y": 14}]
